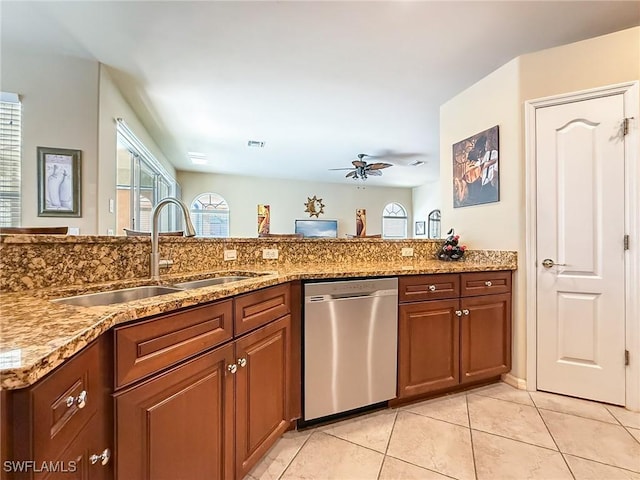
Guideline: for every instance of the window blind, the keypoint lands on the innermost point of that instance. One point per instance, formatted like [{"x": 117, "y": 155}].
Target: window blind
[{"x": 10, "y": 159}]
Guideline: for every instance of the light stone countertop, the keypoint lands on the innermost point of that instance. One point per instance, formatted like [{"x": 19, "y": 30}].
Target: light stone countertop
[{"x": 37, "y": 335}]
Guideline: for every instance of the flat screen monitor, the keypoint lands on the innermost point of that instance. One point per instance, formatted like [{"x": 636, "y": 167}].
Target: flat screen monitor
[{"x": 317, "y": 228}]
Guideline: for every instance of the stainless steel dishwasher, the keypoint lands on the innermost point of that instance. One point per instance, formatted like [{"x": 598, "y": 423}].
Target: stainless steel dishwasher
[{"x": 350, "y": 345}]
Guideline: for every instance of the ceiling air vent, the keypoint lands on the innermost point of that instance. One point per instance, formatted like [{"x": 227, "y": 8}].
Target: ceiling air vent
[
  {"x": 255, "y": 143},
  {"x": 416, "y": 163}
]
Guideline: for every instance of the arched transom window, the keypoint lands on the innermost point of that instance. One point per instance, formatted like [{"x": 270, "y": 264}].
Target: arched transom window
[
  {"x": 394, "y": 221},
  {"x": 210, "y": 215}
]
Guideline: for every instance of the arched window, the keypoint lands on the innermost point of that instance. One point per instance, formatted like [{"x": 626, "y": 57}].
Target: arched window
[
  {"x": 210, "y": 215},
  {"x": 394, "y": 221}
]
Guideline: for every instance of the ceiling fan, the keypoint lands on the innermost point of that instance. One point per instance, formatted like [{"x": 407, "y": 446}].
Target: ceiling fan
[{"x": 361, "y": 169}]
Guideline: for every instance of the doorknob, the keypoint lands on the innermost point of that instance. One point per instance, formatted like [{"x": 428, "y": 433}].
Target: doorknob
[{"x": 548, "y": 263}]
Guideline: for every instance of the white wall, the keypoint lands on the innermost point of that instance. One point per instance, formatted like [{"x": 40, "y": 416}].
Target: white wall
[
  {"x": 59, "y": 96},
  {"x": 287, "y": 199},
  {"x": 113, "y": 105}
]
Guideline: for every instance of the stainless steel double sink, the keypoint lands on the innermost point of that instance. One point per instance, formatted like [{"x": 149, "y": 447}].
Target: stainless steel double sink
[{"x": 138, "y": 293}]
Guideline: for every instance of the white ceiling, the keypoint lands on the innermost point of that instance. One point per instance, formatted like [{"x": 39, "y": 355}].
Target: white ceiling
[{"x": 318, "y": 82}]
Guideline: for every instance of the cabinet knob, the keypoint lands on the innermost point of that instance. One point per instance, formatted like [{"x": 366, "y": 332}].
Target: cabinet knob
[
  {"x": 487, "y": 283},
  {"x": 242, "y": 362},
  {"x": 80, "y": 401},
  {"x": 465, "y": 311},
  {"x": 459, "y": 313},
  {"x": 103, "y": 458},
  {"x": 432, "y": 288},
  {"x": 233, "y": 368}
]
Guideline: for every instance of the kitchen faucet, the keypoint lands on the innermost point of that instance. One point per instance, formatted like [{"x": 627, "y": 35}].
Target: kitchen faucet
[{"x": 190, "y": 231}]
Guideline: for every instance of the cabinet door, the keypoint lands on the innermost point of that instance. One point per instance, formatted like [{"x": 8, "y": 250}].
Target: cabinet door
[
  {"x": 262, "y": 391},
  {"x": 179, "y": 425},
  {"x": 428, "y": 347},
  {"x": 75, "y": 461},
  {"x": 485, "y": 337}
]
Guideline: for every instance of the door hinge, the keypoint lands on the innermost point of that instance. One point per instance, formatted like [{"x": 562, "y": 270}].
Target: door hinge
[
  {"x": 625, "y": 241},
  {"x": 625, "y": 125},
  {"x": 626, "y": 358}
]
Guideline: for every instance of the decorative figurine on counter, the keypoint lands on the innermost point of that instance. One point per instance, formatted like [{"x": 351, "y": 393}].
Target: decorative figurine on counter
[{"x": 451, "y": 250}]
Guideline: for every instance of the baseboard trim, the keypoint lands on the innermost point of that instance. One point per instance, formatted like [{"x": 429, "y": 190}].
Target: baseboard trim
[{"x": 519, "y": 383}]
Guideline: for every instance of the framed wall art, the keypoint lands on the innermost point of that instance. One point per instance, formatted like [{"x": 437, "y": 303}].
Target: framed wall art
[
  {"x": 420, "y": 228},
  {"x": 59, "y": 182},
  {"x": 476, "y": 177}
]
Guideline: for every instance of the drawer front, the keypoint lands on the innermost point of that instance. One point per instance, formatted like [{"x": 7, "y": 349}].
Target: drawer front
[
  {"x": 417, "y": 288},
  {"x": 485, "y": 283},
  {"x": 150, "y": 346},
  {"x": 65, "y": 401},
  {"x": 259, "y": 308}
]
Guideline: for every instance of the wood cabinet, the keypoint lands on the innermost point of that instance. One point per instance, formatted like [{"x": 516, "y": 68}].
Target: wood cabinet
[
  {"x": 262, "y": 391},
  {"x": 63, "y": 424},
  {"x": 179, "y": 424},
  {"x": 462, "y": 337},
  {"x": 185, "y": 410}
]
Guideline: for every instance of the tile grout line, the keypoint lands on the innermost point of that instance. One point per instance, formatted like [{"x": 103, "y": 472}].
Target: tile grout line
[
  {"x": 297, "y": 453},
  {"x": 384, "y": 458},
  {"x": 600, "y": 463},
  {"x": 437, "y": 419},
  {"x": 552, "y": 438},
  {"x": 421, "y": 467},
  {"x": 473, "y": 451}
]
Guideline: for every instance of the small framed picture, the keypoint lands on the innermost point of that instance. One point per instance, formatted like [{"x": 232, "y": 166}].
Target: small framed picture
[
  {"x": 59, "y": 179},
  {"x": 420, "y": 228}
]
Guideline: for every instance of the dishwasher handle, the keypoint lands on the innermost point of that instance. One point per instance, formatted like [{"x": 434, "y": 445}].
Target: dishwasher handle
[{"x": 349, "y": 295}]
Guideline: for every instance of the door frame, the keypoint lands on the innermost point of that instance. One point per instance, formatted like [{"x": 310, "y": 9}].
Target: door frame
[{"x": 631, "y": 98}]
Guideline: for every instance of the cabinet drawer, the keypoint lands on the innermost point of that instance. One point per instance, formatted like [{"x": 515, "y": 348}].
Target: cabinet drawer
[
  {"x": 148, "y": 347},
  {"x": 259, "y": 308},
  {"x": 485, "y": 283},
  {"x": 60, "y": 408},
  {"x": 416, "y": 288}
]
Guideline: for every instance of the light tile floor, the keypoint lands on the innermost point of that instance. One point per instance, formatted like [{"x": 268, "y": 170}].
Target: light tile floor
[{"x": 493, "y": 432}]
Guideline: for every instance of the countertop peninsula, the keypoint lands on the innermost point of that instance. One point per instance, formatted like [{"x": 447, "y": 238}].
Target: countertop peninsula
[{"x": 37, "y": 335}]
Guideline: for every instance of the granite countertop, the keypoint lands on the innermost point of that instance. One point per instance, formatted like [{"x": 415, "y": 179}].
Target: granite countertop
[{"x": 37, "y": 335}]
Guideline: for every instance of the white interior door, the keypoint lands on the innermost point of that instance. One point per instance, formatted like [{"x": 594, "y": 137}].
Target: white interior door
[{"x": 580, "y": 230}]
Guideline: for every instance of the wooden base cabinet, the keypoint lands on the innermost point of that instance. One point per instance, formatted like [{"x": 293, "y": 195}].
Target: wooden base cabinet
[
  {"x": 453, "y": 329},
  {"x": 262, "y": 391},
  {"x": 61, "y": 427},
  {"x": 428, "y": 346},
  {"x": 485, "y": 337},
  {"x": 212, "y": 416},
  {"x": 179, "y": 424}
]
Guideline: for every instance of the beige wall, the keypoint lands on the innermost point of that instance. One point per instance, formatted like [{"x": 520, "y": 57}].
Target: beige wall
[
  {"x": 498, "y": 99},
  {"x": 287, "y": 199},
  {"x": 59, "y": 96},
  {"x": 113, "y": 105},
  {"x": 424, "y": 199}
]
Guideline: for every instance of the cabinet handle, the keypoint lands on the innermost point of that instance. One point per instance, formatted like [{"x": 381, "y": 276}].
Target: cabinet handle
[
  {"x": 432, "y": 288},
  {"x": 103, "y": 458},
  {"x": 465, "y": 311},
  {"x": 81, "y": 401},
  {"x": 459, "y": 313},
  {"x": 487, "y": 283},
  {"x": 233, "y": 368},
  {"x": 242, "y": 362}
]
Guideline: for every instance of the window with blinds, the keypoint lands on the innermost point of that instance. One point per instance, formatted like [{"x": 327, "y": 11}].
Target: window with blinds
[{"x": 10, "y": 154}]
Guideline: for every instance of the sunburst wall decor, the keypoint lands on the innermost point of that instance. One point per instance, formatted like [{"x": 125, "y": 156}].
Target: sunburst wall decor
[{"x": 314, "y": 206}]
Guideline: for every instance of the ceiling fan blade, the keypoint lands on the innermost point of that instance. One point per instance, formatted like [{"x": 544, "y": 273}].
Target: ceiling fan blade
[
  {"x": 351, "y": 174},
  {"x": 378, "y": 166},
  {"x": 359, "y": 164},
  {"x": 375, "y": 173},
  {"x": 350, "y": 168}
]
